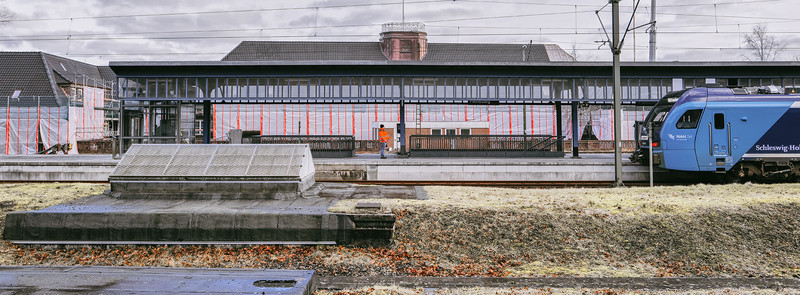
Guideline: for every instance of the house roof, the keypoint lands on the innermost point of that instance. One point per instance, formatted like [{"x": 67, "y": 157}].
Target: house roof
[
  {"x": 70, "y": 71},
  {"x": 371, "y": 51},
  {"x": 39, "y": 74},
  {"x": 25, "y": 71}
]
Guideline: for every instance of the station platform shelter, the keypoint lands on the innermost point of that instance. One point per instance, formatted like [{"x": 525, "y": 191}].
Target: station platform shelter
[
  {"x": 411, "y": 86},
  {"x": 201, "y": 102}
]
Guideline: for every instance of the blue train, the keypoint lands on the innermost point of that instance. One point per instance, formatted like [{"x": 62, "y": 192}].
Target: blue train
[{"x": 725, "y": 131}]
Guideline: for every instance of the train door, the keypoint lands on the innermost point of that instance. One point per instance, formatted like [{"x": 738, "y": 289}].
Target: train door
[{"x": 714, "y": 153}]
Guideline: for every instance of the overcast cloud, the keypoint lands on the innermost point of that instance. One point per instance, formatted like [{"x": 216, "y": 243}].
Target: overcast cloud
[{"x": 702, "y": 30}]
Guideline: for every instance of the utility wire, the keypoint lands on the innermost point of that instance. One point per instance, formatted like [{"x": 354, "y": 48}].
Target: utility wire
[
  {"x": 77, "y": 37},
  {"x": 228, "y": 11},
  {"x": 694, "y": 4}
]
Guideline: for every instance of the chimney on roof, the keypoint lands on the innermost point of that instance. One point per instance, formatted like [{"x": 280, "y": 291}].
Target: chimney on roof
[{"x": 404, "y": 41}]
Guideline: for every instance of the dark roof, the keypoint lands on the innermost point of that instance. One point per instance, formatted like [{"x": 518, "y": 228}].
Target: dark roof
[
  {"x": 307, "y": 51},
  {"x": 371, "y": 51},
  {"x": 25, "y": 71},
  {"x": 70, "y": 71},
  {"x": 39, "y": 74},
  {"x": 106, "y": 73},
  {"x": 460, "y": 52}
]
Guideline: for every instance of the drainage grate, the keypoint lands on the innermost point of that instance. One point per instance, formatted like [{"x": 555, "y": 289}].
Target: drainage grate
[{"x": 275, "y": 283}]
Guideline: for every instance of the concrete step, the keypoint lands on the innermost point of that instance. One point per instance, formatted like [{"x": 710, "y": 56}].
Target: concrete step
[
  {"x": 153, "y": 280},
  {"x": 103, "y": 218}
]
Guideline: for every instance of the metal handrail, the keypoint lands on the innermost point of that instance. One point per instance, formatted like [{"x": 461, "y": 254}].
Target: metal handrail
[
  {"x": 485, "y": 142},
  {"x": 315, "y": 142}
]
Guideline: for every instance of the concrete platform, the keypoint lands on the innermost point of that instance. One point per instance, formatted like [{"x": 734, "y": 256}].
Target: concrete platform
[
  {"x": 590, "y": 167},
  {"x": 363, "y": 167},
  {"x": 103, "y": 219},
  {"x": 56, "y": 167},
  {"x": 151, "y": 280}
]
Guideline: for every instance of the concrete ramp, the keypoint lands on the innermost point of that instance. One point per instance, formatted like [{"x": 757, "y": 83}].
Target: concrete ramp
[{"x": 170, "y": 171}]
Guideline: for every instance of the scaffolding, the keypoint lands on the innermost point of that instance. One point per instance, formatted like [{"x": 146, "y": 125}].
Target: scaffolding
[{"x": 36, "y": 125}]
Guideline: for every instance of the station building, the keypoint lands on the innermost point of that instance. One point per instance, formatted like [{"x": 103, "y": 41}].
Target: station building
[{"x": 405, "y": 83}]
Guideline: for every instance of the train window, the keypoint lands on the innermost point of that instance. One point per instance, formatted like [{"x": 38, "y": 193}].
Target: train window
[
  {"x": 719, "y": 121},
  {"x": 689, "y": 119}
]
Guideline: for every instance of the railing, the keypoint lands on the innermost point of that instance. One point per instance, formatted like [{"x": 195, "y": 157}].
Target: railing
[
  {"x": 368, "y": 146},
  {"x": 403, "y": 27},
  {"x": 322, "y": 146},
  {"x": 600, "y": 146},
  {"x": 486, "y": 146}
]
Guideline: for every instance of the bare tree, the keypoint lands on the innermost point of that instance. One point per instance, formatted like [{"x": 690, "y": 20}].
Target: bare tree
[
  {"x": 578, "y": 56},
  {"x": 5, "y": 16},
  {"x": 762, "y": 46}
]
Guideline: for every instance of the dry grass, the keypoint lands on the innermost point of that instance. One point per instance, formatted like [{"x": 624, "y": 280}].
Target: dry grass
[
  {"x": 700, "y": 230},
  {"x": 749, "y": 230},
  {"x": 628, "y": 201},
  {"x": 34, "y": 196}
]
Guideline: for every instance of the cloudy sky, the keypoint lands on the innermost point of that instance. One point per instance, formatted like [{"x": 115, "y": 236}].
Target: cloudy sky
[{"x": 99, "y": 31}]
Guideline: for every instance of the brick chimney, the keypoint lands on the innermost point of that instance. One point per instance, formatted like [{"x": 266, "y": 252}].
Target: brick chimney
[{"x": 404, "y": 41}]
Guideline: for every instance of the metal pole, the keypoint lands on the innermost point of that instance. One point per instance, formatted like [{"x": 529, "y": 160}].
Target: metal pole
[
  {"x": 206, "y": 121},
  {"x": 177, "y": 122},
  {"x": 524, "y": 119},
  {"x": 122, "y": 127},
  {"x": 653, "y": 30},
  {"x": 559, "y": 128},
  {"x": 575, "y": 134},
  {"x": 404, "y": 11},
  {"x": 650, "y": 145},
  {"x": 615, "y": 48},
  {"x": 402, "y": 130}
]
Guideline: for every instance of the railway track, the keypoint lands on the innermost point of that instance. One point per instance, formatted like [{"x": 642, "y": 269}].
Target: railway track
[
  {"x": 680, "y": 284},
  {"x": 506, "y": 184}
]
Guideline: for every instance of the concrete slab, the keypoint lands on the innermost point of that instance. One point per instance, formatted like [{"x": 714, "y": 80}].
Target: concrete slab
[
  {"x": 103, "y": 219},
  {"x": 151, "y": 280}
]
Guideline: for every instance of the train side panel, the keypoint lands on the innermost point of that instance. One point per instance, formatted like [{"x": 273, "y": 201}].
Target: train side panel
[
  {"x": 729, "y": 129},
  {"x": 781, "y": 142}
]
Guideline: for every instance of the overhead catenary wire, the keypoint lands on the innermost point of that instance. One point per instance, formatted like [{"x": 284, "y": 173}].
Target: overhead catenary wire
[{"x": 227, "y": 11}]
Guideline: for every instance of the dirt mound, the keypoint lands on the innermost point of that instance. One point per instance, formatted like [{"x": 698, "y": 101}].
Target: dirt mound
[{"x": 752, "y": 240}]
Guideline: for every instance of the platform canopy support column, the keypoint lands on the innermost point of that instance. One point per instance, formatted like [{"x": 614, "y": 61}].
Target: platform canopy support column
[
  {"x": 575, "y": 135},
  {"x": 402, "y": 130},
  {"x": 559, "y": 128},
  {"x": 206, "y": 121}
]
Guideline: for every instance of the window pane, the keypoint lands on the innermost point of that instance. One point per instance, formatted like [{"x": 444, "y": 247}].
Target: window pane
[{"x": 689, "y": 119}]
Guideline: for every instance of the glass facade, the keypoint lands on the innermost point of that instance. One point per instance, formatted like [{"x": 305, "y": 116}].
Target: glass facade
[
  {"x": 390, "y": 89},
  {"x": 161, "y": 109}
]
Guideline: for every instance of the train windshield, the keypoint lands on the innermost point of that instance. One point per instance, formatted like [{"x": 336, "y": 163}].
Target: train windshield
[
  {"x": 657, "y": 116},
  {"x": 662, "y": 108}
]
